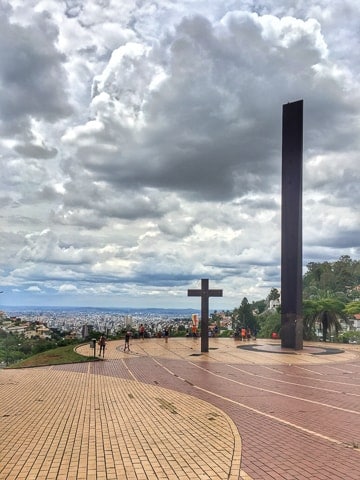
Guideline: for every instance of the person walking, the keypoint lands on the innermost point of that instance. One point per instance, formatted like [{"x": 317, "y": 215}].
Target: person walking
[
  {"x": 166, "y": 334},
  {"x": 102, "y": 344}
]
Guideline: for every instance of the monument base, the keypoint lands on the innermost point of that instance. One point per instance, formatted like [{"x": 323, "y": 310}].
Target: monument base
[{"x": 291, "y": 331}]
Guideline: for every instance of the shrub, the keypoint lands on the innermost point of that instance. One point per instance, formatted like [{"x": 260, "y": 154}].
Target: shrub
[{"x": 349, "y": 337}]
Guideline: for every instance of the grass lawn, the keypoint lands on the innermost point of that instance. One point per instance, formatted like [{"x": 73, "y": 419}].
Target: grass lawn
[{"x": 56, "y": 356}]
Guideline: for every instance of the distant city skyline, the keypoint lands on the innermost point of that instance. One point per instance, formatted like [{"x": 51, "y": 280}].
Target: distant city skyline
[
  {"x": 97, "y": 310},
  {"x": 140, "y": 146}
]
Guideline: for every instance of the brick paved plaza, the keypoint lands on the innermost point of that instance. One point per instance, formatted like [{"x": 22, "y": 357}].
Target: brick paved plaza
[{"x": 165, "y": 411}]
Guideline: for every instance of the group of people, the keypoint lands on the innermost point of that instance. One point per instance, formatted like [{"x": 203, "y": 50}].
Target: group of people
[
  {"x": 165, "y": 333},
  {"x": 246, "y": 334},
  {"x": 102, "y": 343},
  {"x": 128, "y": 335}
]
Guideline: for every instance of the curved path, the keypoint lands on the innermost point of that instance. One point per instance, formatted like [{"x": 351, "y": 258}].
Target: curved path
[{"x": 165, "y": 411}]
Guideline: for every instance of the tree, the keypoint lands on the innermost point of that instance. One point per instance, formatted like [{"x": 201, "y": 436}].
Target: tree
[
  {"x": 272, "y": 300},
  {"x": 216, "y": 318},
  {"x": 270, "y": 322},
  {"x": 341, "y": 276},
  {"x": 327, "y": 310},
  {"x": 318, "y": 277},
  {"x": 352, "y": 308},
  {"x": 273, "y": 295},
  {"x": 259, "y": 306},
  {"x": 243, "y": 317}
]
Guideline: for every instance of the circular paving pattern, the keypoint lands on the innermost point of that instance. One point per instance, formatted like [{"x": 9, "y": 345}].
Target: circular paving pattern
[{"x": 276, "y": 348}]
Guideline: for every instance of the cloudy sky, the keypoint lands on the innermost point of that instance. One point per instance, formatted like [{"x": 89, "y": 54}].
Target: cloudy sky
[{"x": 140, "y": 146}]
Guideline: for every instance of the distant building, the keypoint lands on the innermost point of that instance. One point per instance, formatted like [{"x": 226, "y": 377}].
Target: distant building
[
  {"x": 274, "y": 304},
  {"x": 43, "y": 331},
  {"x": 85, "y": 331},
  {"x": 356, "y": 322},
  {"x": 40, "y": 331}
]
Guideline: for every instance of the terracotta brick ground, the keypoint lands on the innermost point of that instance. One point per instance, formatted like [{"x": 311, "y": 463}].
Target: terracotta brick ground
[{"x": 165, "y": 411}]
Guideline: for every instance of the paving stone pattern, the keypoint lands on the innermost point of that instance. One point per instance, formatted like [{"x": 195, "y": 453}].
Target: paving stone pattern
[{"x": 165, "y": 411}]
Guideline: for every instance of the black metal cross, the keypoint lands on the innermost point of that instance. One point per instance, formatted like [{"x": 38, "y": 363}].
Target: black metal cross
[{"x": 205, "y": 293}]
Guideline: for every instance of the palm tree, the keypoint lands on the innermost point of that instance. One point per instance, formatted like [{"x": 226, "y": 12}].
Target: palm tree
[
  {"x": 327, "y": 310},
  {"x": 353, "y": 307}
]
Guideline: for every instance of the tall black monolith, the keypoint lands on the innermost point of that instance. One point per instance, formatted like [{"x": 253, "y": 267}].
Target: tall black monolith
[{"x": 291, "y": 226}]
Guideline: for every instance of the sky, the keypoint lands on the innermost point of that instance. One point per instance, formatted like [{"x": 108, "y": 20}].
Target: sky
[{"x": 140, "y": 146}]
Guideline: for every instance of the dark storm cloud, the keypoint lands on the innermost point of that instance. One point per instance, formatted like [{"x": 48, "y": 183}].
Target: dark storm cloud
[
  {"x": 32, "y": 77},
  {"x": 211, "y": 129},
  {"x": 36, "y": 151}
]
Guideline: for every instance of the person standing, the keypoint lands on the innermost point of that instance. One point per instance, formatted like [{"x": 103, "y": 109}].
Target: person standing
[
  {"x": 142, "y": 331},
  {"x": 255, "y": 333},
  {"x": 248, "y": 334},
  {"x": 127, "y": 342},
  {"x": 194, "y": 331},
  {"x": 102, "y": 344},
  {"x": 166, "y": 334},
  {"x": 243, "y": 334}
]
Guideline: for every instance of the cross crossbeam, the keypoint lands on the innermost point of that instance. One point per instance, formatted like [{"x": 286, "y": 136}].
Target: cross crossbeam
[{"x": 205, "y": 293}]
